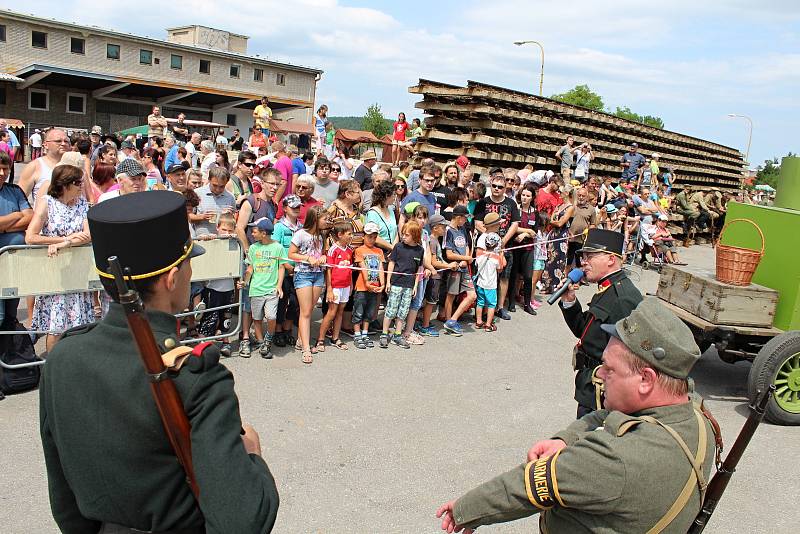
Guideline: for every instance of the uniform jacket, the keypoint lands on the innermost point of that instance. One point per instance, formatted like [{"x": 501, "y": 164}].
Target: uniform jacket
[
  {"x": 685, "y": 207},
  {"x": 609, "y": 305},
  {"x": 600, "y": 482},
  {"x": 108, "y": 458}
]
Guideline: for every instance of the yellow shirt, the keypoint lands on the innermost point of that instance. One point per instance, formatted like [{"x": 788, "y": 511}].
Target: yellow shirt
[{"x": 263, "y": 114}]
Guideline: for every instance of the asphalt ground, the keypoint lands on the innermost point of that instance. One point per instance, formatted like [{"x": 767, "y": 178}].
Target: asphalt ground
[{"x": 375, "y": 440}]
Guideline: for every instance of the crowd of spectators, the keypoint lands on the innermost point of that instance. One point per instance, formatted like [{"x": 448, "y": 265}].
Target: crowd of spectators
[{"x": 353, "y": 236}]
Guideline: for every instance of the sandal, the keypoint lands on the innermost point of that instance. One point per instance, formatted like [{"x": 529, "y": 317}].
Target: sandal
[
  {"x": 307, "y": 357},
  {"x": 298, "y": 346},
  {"x": 339, "y": 344},
  {"x": 479, "y": 325},
  {"x": 490, "y": 328},
  {"x": 319, "y": 347}
]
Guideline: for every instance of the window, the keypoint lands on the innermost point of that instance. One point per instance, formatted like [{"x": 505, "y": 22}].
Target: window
[
  {"x": 280, "y": 79},
  {"x": 38, "y": 39},
  {"x": 112, "y": 51},
  {"x": 258, "y": 75},
  {"x": 176, "y": 62},
  {"x": 2, "y": 96},
  {"x": 77, "y": 45},
  {"x": 2, "y": 32},
  {"x": 76, "y": 103},
  {"x": 39, "y": 99},
  {"x": 205, "y": 66},
  {"x": 145, "y": 57},
  {"x": 235, "y": 71},
  {"x": 230, "y": 120}
]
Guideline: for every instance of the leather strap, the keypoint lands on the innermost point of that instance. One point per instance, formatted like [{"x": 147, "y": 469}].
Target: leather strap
[{"x": 599, "y": 385}]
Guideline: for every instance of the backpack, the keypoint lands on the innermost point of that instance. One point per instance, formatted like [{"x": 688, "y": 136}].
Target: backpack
[{"x": 17, "y": 349}]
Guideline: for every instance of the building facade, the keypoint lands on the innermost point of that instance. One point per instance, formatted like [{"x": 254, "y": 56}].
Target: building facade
[{"x": 78, "y": 76}]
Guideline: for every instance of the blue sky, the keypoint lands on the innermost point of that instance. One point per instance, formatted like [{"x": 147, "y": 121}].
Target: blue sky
[{"x": 688, "y": 62}]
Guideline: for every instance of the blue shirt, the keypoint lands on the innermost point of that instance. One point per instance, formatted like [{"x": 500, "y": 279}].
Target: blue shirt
[
  {"x": 428, "y": 201},
  {"x": 298, "y": 166},
  {"x": 629, "y": 173},
  {"x": 455, "y": 239},
  {"x": 172, "y": 157},
  {"x": 12, "y": 199}
]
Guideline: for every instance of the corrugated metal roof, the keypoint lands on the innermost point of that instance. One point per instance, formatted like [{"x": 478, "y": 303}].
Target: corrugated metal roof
[{"x": 5, "y": 77}]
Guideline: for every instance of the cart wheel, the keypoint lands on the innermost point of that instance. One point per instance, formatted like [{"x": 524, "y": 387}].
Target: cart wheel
[
  {"x": 778, "y": 362},
  {"x": 645, "y": 264}
]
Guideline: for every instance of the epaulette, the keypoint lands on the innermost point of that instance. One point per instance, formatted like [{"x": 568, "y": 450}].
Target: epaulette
[
  {"x": 78, "y": 330},
  {"x": 204, "y": 356}
]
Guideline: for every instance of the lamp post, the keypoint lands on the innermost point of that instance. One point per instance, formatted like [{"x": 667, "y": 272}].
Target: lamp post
[
  {"x": 541, "y": 75},
  {"x": 749, "y": 139}
]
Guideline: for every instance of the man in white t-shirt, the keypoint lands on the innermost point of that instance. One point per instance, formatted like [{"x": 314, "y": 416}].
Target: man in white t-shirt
[{"x": 35, "y": 141}]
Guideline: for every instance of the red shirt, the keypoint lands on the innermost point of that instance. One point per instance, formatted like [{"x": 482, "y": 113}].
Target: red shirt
[
  {"x": 340, "y": 277},
  {"x": 547, "y": 202},
  {"x": 311, "y": 202},
  {"x": 400, "y": 131}
]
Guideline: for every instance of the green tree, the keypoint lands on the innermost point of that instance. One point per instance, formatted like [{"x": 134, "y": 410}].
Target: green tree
[
  {"x": 770, "y": 171},
  {"x": 626, "y": 113},
  {"x": 375, "y": 122},
  {"x": 582, "y": 96}
]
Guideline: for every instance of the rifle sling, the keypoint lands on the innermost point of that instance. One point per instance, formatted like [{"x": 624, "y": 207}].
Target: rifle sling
[{"x": 695, "y": 477}]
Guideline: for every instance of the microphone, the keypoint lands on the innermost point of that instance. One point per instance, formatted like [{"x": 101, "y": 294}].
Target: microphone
[{"x": 574, "y": 276}]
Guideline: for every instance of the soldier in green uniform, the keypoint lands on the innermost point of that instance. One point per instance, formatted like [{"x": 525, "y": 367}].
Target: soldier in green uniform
[
  {"x": 601, "y": 261},
  {"x": 640, "y": 465},
  {"x": 110, "y": 466}
]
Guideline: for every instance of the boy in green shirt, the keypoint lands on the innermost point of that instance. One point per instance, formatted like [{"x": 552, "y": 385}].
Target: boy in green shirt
[{"x": 264, "y": 278}]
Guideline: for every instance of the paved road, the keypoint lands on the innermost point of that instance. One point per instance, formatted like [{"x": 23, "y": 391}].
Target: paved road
[{"x": 368, "y": 441}]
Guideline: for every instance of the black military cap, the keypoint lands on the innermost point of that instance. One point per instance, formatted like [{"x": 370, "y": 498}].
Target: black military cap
[
  {"x": 147, "y": 231},
  {"x": 603, "y": 241}
]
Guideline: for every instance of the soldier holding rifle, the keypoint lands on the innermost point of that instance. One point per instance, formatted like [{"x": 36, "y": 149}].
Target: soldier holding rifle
[
  {"x": 109, "y": 448},
  {"x": 640, "y": 465}
]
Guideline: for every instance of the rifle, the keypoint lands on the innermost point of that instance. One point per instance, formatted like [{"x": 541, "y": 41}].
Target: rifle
[
  {"x": 168, "y": 401},
  {"x": 725, "y": 471}
]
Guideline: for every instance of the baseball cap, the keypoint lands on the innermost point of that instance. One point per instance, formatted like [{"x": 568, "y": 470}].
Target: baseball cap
[
  {"x": 436, "y": 219},
  {"x": 96, "y": 130},
  {"x": 371, "y": 228},
  {"x": 263, "y": 224},
  {"x": 462, "y": 161},
  {"x": 130, "y": 167},
  {"x": 292, "y": 201},
  {"x": 491, "y": 218},
  {"x": 178, "y": 167},
  {"x": 657, "y": 336},
  {"x": 492, "y": 240},
  {"x": 460, "y": 210},
  {"x": 635, "y": 145},
  {"x": 127, "y": 143}
]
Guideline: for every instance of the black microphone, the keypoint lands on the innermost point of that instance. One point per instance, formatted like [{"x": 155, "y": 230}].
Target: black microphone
[{"x": 574, "y": 276}]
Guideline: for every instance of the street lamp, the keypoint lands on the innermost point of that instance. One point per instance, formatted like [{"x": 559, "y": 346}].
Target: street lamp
[
  {"x": 541, "y": 76},
  {"x": 749, "y": 139}
]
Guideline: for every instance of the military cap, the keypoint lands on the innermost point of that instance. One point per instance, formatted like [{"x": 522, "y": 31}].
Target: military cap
[
  {"x": 656, "y": 335},
  {"x": 147, "y": 231},
  {"x": 598, "y": 240}
]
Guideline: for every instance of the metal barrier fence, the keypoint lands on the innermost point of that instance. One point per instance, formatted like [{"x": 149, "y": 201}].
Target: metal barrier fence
[{"x": 27, "y": 271}]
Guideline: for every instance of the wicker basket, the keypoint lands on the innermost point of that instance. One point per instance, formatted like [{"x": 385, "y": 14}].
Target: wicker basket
[{"x": 736, "y": 265}]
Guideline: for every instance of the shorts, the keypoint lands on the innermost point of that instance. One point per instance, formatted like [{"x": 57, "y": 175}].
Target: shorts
[
  {"x": 487, "y": 298},
  {"x": 664, "y": 247},
  {"x": 308, "y": 279},
  {"x": 506, "y": 272},
  {"x": 459, "y": 282},
  {"x": 419, "y": 299},
  {"x": 364, "y": 305},
  {"x": 432, "y": 290},
  {"x": 399, "y": 303},
  {"x": 538, "y": 265},
  {"x": 245, "y": 300},
  {"x": 264, "y": 307},
  {"x": 341, "y": 294}
]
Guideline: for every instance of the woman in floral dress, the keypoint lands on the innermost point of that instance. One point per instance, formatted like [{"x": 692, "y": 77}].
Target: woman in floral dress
[
  {"x": 60, "y": 222},
  {"x": 557, "y": 248}
]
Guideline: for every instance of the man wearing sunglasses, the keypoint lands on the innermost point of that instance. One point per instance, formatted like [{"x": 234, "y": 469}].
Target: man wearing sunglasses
[{"x": 506, "y": 208}]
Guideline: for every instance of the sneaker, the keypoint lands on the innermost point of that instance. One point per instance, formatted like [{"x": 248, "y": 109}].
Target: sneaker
[
  {"x": 368, "y": 341},
  {"x": 428, "y": 331},
  {"x": 360, "y": 342},
  {"x": 225, "y": 350},
  {"x": 535, "y": 304},
  {"x": 398, "y": 340},
  {"x": 265, "y": 351},
  {"x": 279, "y": 340},
  {"x": 415, "y": 339},
  {"x": 384, "y": 341},
  {"x": 503, "y": 314},
  {"x": 244, "y": 348},
  {"x": 453, "y": 328}
]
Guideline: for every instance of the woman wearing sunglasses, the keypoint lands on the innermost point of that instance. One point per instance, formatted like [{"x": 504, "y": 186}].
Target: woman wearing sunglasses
[{"x": 257, "y": 139}]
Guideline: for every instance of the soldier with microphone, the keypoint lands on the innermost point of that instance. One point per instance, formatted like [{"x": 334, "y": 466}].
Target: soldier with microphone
[{"x": 601, "y": 263}]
